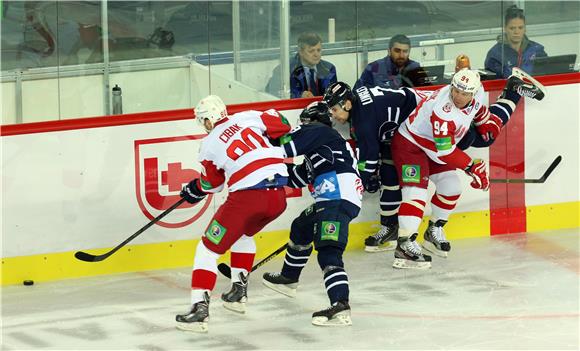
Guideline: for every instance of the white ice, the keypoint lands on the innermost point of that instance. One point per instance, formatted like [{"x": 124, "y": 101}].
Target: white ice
[{"x": 503, "y": 292}]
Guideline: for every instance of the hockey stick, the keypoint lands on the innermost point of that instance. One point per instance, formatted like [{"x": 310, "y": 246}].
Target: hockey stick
[
  {"x": 227, "y": 271},
  {"x": 87, "y": 257},
  {"x": 540, "y": 180}
]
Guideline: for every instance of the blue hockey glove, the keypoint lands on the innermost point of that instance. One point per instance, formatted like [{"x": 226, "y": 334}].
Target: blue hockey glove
[
  {"x": 374, "y": 184},
  {"x": 192, "y": 192}
]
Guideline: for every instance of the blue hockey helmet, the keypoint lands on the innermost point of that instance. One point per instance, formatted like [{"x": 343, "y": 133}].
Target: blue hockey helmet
[
  {"x": 316, "y": 112},
  {"x": 337, "y": 94}
]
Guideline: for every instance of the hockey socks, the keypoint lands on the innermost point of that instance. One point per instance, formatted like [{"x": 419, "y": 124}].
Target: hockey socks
[
  {"x": 204, "y": 274},
  {"x": 336, "y": 283},
  {"x": 295, "y": 260}
]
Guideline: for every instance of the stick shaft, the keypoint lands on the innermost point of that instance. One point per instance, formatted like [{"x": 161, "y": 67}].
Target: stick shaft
[
  {"x": 83, "y": 256},
  {"x": 540, "y": 180},
  {"x": 227, "y": 271}
]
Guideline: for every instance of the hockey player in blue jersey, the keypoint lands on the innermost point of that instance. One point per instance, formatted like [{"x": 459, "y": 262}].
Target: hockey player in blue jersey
[
  {"x": 374, "y": 115},
  {"x": 330, "y": 168},
  {"x": 371, "y": 113}
]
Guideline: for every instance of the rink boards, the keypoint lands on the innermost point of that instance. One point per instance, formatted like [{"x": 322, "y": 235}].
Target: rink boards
[{"x": 88, "y": 184}]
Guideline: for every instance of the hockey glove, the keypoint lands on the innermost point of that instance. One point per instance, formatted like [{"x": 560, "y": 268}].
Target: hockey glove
[
  {"x": 477, "y": 169},
  {"x": 373, "y": 184},
  {"x": 192, "y": 192},
  {"x": 489, "y": 128}
]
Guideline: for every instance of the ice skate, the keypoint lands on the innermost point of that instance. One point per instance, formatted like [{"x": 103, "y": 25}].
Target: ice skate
[
  {"x": 435, "y": 241},
  {"x": 408, "y": 254},
  {"x": 385, "y": 239},
  {"x": 281, "y": 284},
  {"x": 337, "y": 315},
  {"x": 235, "y": 299},
  {"x": 197, "y": 319},
  {"x": 525, "y": 85}
]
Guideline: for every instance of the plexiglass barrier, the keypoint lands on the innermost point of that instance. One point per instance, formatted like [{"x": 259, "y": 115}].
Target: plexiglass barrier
[{"x": 62, "y": 59}]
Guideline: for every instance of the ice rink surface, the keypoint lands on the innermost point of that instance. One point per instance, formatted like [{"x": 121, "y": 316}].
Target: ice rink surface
[{"x": 518, "y": 292}]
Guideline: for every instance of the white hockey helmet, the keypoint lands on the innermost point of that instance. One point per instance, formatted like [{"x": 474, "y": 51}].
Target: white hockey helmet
[
  {"x": 466, "y": 80},
  {"x": 212, "y": 108}
]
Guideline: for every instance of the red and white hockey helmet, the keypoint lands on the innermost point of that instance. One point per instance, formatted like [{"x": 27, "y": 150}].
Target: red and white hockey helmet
[
  {"x": 466, "y": 80},
  {"x": 212, "y": 108}
]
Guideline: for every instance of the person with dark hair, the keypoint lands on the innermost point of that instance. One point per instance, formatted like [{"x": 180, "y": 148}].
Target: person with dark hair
[
  {"x": 373, "y": 115},
  {"x": 310, "y": 75},
  {"x": 389, "y": 72},
  {"x": 513, "y": 49},
  {"x": 329, "y": 167}
]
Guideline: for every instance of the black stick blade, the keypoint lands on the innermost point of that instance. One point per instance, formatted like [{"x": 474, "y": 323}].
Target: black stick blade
[
  {"x": 225, "y": 270},
  {"x": 540, "y": 180},
  {"x": 83, "y": 256},
  {"x": 550, "y": 169}
]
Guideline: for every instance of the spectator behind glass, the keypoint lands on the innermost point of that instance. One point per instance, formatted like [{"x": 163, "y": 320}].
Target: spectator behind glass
[
  {"x": 309, "y": 74},
  {"x": 514, "y": 47},
  {"x": 388, "y": 72}
]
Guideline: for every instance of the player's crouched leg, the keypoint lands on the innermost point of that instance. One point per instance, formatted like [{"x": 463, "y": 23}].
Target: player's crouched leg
[
  {"x": 297, "y": 254},
  {"x": 337, "y": 288}
]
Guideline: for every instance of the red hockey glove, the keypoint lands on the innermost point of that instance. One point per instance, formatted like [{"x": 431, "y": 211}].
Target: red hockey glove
[
  {"x": 477, "y": 169},
  {"x": 489, "y": 128}
]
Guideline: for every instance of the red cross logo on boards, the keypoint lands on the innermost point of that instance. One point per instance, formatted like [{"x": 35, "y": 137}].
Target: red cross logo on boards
[{"x": 162, "y": 167}]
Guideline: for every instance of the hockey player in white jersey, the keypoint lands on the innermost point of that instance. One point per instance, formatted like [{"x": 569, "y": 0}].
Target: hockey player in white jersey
[
  {"x": 425, "y": 148},
  {"x": 237, "y": 150}
]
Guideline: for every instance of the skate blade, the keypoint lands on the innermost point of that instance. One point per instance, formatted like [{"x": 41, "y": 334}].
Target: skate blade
[
  {"x": 402, "y": 263},
  {"x": 429, "y": 246},
  {"x": 388, "y": 246},
  {"x": 282, "y": 289},
  {"x": 238, "y": 307},
  {"x": 196, "y": 327},
  {"x": 340, "y": 320}
]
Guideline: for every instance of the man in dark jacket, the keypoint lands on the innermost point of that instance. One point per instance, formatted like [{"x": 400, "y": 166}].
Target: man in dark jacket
[
  {"x": 309, "y": 74},
  {"x": 390, "y": 71}
]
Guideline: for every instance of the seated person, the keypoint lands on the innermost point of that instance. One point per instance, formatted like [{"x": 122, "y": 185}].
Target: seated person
[
  {"x": 514, "y": 49},
  {"x": 309, "y": 74},
  {"x": 389, "y": 72}
]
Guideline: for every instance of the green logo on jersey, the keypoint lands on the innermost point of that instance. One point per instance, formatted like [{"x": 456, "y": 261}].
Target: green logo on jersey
[
  {"x": 330, "y": 230},
  {"x": 443, "y": 143},
  {"x": 361, "y": 165},
  {"x": 411, "y": 174},
  {"x": 215, "y": 232}
]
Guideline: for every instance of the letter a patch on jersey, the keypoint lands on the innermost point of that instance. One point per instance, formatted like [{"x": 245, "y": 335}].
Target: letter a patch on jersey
[
  {"x": 411, "y": 174},
  {"x": 330, "y": 230},
  {"x": 215, "y": 232}
]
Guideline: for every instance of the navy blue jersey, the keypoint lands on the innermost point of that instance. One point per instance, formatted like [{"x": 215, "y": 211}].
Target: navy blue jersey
[
  {"x": 329, "y": 163},
  {"x": 375, "y": 116}
]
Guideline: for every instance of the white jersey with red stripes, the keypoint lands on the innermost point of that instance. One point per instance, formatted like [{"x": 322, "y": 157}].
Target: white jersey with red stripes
[
  {"x": 436, "y": 126},
  {"x": 238, "y": 149}
]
